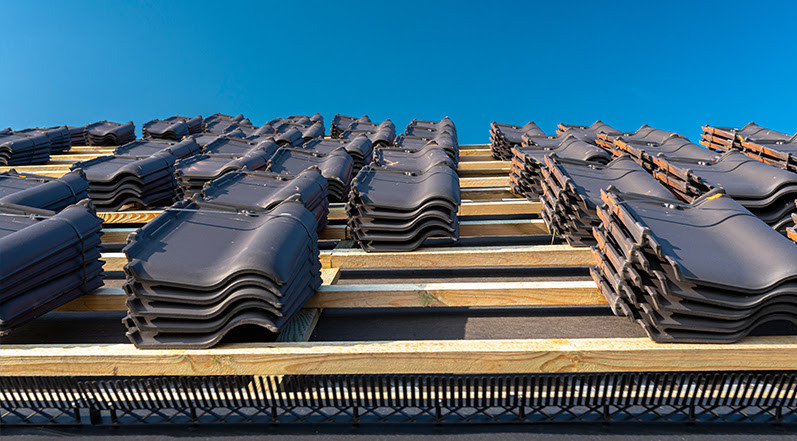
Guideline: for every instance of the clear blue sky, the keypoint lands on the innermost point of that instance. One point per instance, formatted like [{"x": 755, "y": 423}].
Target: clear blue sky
[{"x": 674, "y": 65}]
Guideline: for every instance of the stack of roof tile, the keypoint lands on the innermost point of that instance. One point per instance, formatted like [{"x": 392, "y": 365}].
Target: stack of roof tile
[
  {"x": 42, "y": 192},
  {"x": 77, "y": 135},
  {"x": 120, "y": 181},
  {"x": 766, "y": 191},
  {"x": 341, "y": 123},
  {"x": 647, "y": 142},
  {"x": 294, "y": 130},
  {"x": 335, "y": 166},
  {"x": 59, "y": 136},
  {"x": 189, "y": 280},
  {"x": 397, "y": 210},
  {"x": 20, "y": 148},
  {"x": 572, "y": 193},
  {"x": 175, "y": 127},
  {"x": 192, "y": 173},
  {"x": 570, "y": 142},
  {"x": 443, "y": 140},
  {"x": 348, "y": 128},
  {"x": 262, "y": 191},
  {"x": 47, "y": 260},
  {"x": 775, "y": 148},
  {"x": 503, "y": 137},
  {"x": 110, "y": 133},
  {"x": 142, "y": 148},
  {"x": 708, "y": 271},
  {"x": 221, "y": 123},
  {"x": 360, "y": 149}
]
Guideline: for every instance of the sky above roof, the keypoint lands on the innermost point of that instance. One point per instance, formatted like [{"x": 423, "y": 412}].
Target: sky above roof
[{"x": 674, "y": 65}]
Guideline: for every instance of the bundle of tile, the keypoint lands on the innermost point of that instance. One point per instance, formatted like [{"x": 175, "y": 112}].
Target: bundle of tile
[
  {"x": 503, "y": 137},
  {"x": 647, "y": 142},
  {"x": 219, "y": 123},
  {"x": 131, "y": 182},
  {"x": 429, "y": 129},
  {"x": 766, "y": 191},
  {"x": 707, "y": 271},
  {"x": 572, "y": 193},
  {"x": 294, "y": 130},
  {"x": 525, "y": 176},
  {"x": 397, "y": 210},
  {"x": 189, "y": 280},
  {"x": 48, "y": 260},
  {"x": 382, "y": 134},
  {"x": 360, "y": 149},
  {"x": 110, "y": 133},
  {"x": 59, "y": 136},
  {"x": 192, "y": 173},
  {"x": 42, "y": 192},
  {"x": 775, "y": 148},
  {"x": 341, "y": 123},
  {"x": 443, "y": 140},
  {"x": 17, "y": 148},
  {"x": 335, "y": 166},
  {"x": 142, "y": 148},
  {"x": 175, "y": 127},
  {"x": 77, "y": 135},
  {"x": 262, "y": 191}
]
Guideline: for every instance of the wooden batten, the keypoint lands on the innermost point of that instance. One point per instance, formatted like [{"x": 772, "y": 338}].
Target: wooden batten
[
  {"x": 403, "y": 357},
  {"x": 406, "y": 295}
]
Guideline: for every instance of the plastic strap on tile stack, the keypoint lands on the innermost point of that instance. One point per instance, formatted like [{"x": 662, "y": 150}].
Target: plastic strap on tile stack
[
  {"x": 766, "y": 191},
  {"x": 336, "y": 167},
  {"x": 43, "y": 192},
  {"x": 708, "y": 271},
  {"x": 129, "y": 181},
  {"x": 110, "y": 133},
  {"x": 175, "y": 127},
  {"x": 397, "y": 210},
  {"x": 259, "y": 191},
  {"x": 22, "y": 148},
  {"x": 48, "y": 259},
  {"x": 572, "y": 193},
  {"x": 190, "y": 281}
]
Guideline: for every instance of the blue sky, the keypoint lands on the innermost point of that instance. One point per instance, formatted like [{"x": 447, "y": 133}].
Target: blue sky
[{"x": 673, "y": 65}]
